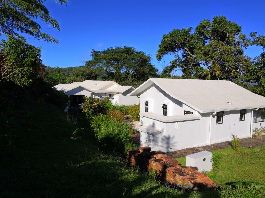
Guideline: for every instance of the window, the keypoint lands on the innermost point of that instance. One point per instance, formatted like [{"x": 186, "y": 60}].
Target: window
[
  {"x": 187, "y": 112},
  {"x": 164, "y": 107},
  {"x": 242, "y": 115},
  {"x": 219, "y": 117},
  {"x": 258, "y": 116},
  {"x": 146, "y": 106}
]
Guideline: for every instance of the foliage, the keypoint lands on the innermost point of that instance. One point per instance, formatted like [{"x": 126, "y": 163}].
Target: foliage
[
  {"x": 133, "y": 111},
  {"x": 213, "y": 50},
  {"x": 24, "y": 16},
  {"x": 242, "y": 189},
  {"x": 20, "y": 63},
  {"x": 122, "y": 64},
  {"x": 58, "y": 75},
  {"x": 116, "y": 115},
  {"x": 113, "y": 135},
  {"x": 235, "y": 143},
  {"x": 231, "y": 166},
  {"x": 36, "y": 148},
  {"x": 93, "y": 107}
]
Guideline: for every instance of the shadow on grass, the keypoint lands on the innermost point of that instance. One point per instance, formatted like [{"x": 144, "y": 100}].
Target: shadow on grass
[{"x": 39, "y": 159}]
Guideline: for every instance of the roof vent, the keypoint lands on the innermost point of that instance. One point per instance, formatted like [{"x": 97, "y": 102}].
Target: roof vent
[{"x": 228, "y": 102}]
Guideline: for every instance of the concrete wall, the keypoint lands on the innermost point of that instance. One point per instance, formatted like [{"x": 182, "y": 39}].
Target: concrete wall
[
  {"x": 157, "y": 97},
  {"x": 175, "y": 136},
  {"x": 124, "y": 100},
  {"x": 231, "y": 126}
]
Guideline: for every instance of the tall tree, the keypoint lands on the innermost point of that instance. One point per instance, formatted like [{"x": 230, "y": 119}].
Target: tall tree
[
  {"x": 255, "y": 76},
  {"x": 213, "y": 50},
  {"x": 20, "y": 62},
  {"x": 24, "y": 16},
  {"x": 122, "y": 64}
]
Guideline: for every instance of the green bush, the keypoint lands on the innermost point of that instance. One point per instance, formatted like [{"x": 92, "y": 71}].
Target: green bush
[
  {"x": 235, "y": 143},
  {"x": 242, "y": 189},
  {"x": 113, "y": 135},
  {"x": 132, "y": 111},
  {"x": 93, "y": 107}
]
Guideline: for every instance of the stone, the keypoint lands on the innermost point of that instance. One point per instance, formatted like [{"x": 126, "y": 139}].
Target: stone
[
  {"x": 202, "y": 160},
  {"x": 168, "y": 170}
]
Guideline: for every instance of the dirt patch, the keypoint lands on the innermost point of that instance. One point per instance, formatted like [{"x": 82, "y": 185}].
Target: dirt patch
[{"x": 246, "y": 142}]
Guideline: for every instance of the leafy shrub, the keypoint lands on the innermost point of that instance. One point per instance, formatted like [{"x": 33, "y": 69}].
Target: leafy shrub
[
  {"x": 235, "y": 143},
  {"x": 112, "y": 134},
  {"x": 132, "y": 111},
  {"x": 242, "y": 189},
  {"x": 117, "y": 115},
  {"x": 93, "y": 107}
]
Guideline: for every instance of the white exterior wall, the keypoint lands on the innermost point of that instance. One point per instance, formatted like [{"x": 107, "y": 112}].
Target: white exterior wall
[
  {"x": 175, "y": 136},
  {"x": 258, "y": 125},
  {"x": 187, "y": 134},
  {"x": 120, "y": 99},
  {"x": 231, "y": 126},
  {"x": 156, "y": 99}
]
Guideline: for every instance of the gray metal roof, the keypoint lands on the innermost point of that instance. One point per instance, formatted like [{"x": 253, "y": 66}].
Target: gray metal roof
[
  {"x": 206, "y": 95},
  {"x": 95, "y": 86}
]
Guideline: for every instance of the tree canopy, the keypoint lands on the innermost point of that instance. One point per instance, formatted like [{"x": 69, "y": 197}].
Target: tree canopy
[
  {"x": 25, "y": 16},
  {"x": 213, "y": 50},
  {"x": 20, "y": 62},
  {"x": 122, "y": 64}
]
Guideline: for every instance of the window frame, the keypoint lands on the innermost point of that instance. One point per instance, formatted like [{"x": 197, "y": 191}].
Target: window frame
[
  {"x": 187, "y": 112},
  {"x": 242, "y": 115},
  {"x": 220, "y": 115},
  {"x": 146, "y": 106},
  {"x": 164, "y": 109}
]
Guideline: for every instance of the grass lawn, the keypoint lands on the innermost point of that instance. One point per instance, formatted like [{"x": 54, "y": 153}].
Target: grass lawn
[{"x": 247, "y": 164}]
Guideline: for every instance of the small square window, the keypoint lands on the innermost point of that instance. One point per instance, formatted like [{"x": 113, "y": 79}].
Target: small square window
[
  {"x": 242, "y": 115},
  {"x": 187, "y": 112},
  {"x": 219, "y": 117}
]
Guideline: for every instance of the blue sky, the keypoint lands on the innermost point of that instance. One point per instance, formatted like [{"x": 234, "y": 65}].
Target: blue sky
[{"x": 99, "y": 24}]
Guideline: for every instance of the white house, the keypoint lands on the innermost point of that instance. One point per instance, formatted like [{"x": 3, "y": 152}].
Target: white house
[
  {"x": 96, "y": 89},
  {"x": 184, "y": 113}
]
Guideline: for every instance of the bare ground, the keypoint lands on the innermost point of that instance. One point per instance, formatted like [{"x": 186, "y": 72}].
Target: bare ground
[{"x": 246, "y": 142}]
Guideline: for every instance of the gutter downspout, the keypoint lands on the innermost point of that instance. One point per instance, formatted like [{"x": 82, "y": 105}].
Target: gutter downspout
[
  {"x": 210, "y": 129},
  {"x": 251, "y": 124}
]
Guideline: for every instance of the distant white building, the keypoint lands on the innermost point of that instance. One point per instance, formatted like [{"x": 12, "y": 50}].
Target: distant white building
[
  {"x": 184, "y": 113},
  {"x": 96, "y": 89}
]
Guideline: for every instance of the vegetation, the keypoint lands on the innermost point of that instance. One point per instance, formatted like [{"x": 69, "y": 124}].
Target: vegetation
[
  {"x": 239, "y": 172},
  {"x": 20, "y": 62},
  {"x": 235, "y": 143},
  {"x": 214, "y": 50},
  {"x": 113, "y": 135},
  {"x": 24, "y": 17},
  {"x": 59, "y": 75},
  {"x": 245, "y": 165},
  {"x": 124, "y": 65},
  {"x": 44, "y": 154},
  {"x": 108, "y": 126}
]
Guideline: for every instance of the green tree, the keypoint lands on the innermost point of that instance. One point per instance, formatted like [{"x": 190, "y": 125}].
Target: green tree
[
  {"x": 58, "y": 75},
  {"x": 255, "y": 76},
  {"x": 20, "y": 62},
  {"x": 213, "y": 50},
  {"x": 25, "y": 16},
  {"x": 122, "y": 64}
]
